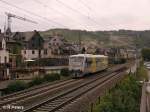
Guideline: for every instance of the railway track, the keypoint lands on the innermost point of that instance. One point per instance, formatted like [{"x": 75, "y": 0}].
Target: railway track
[
  {"x": 61, "y": 100},
  {"x": 26, "y": 98},
  {"x": 30, "y": 89},
  {"x": 45, "y": 92},
  {"x": 33, "y": 95},
  {"x": 31, "y": 92}
]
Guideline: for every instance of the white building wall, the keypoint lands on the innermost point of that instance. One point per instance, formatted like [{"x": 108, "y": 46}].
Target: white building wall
[
  {"x": 48, "y": 55},
  {"x": 3, "y": 44},
  {"x": 4, "y": 58},
  {"x": 3, "y": 54},
  {"x": 30, "y": 54}
]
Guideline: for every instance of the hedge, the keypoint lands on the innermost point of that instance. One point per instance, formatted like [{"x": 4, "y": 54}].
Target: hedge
[
  {"x": 65, "y": 72},
  {"x": 16, "y": 86}
]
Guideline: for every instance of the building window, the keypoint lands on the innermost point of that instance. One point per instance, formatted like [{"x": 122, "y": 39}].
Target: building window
[
  {"x": 45, "y": 51},
  {"x": 33, "y": 52},
  {"x": 23, "y": 38},
  {"x": 24, "y": 52},
  {"x": 10, "y": 60},
  {"x": 3, "y": 46},
  {"x": 32, "y": 45},
  {"x": 5, "y": 59}
]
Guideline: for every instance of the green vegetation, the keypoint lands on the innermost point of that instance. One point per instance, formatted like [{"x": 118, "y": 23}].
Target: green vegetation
[
  {"x": 108, "y": 38},
  {"x": 124, "y": 97},
  {"x": 36, "y": 81},
  {"x": 146, "y": 54},
  {"x": 46, "y": 78},
  {"x": 52, "y": 77},
  {"x": 65, "y": 72},
  {"x": 142, "y": 73},
  {"x": 16, "y": 86},
  {"x": 73, "y": 35},
  {"x": 21, "y": 85}
]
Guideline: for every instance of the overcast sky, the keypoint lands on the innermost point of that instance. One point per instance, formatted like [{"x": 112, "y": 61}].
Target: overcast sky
[{"x": 77, "y": 14}]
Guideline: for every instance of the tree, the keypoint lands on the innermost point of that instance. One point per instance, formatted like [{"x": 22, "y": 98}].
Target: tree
[
  {"x": 124, "y": 97},
  {"x": 146, "y": 53}
]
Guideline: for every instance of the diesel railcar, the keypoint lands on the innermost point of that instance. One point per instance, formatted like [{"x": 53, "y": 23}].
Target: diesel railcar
[{"x": 82, "y": 64}]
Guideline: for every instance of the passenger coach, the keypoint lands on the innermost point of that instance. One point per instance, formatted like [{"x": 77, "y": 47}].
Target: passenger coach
[{"x": 82, "y": 64}]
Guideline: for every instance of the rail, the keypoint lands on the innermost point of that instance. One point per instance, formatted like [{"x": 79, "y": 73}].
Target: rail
[
  {"x": 57, "y": 102},
  {"x": 42, "y": 93},
  {"x": 144, "y": 99}
]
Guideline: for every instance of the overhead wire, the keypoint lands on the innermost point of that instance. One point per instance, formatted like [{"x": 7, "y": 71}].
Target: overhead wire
[
  {"x": 44, "y": 5},
  {"x": 52, "y": 21},
  {"x": 85, "y": 5},
  {"x": 32, "y": 13},
  {"x": 90, "y": 9},
  {"x": 77, "y": 11}
]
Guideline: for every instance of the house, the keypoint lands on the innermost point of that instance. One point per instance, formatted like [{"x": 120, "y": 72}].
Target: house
[
  {"x": 32, "y": 43},
  {"x": 70, "y": 49},
  {"x": 4, "y": 59},
  {"x": 29, "y": 40},
  {"x": 56, "y": 44},
  {"x": 35, "y": 46},
  {"x": 60, "y": 46},
  {"x": 57, "y": 41},
  {"x": 131, "y": 53}
]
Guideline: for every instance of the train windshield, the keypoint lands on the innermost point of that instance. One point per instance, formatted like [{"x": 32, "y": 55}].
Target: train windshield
[{"x": 76, "y": 61}]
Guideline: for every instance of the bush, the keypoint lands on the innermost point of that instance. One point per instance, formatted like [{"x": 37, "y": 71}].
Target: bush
[
  {"x": 146, "y": 54},
  {"x": 36, "y": 81},
  {"x": 65, "y": 72},
  {"x": 16, "y": 86},
  {"x": 125, "y": 97},
  {"x": 142, "y": 73},
  {"x": 52, "y": 77},
  {"x": 20, "y": 85}
]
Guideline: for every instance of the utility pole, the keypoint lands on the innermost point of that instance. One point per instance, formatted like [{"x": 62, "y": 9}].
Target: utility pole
[
  {"x": 39, "y": 51},
  {"x": 79, "y": 38}
]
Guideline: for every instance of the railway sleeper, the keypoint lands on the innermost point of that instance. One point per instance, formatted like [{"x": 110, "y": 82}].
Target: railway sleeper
[
  {"x": 47, "y": 107},
  {"x": 39, "y": 111},
  {"x": 44, "y": 109}
]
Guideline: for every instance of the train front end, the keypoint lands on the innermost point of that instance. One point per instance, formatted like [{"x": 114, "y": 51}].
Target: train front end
[{"x": 76, "y": 66}]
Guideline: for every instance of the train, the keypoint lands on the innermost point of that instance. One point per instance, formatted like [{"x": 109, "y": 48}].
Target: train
[{"x": 83, "y": 64}]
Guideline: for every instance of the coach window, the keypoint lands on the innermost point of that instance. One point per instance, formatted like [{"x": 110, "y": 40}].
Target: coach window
[{"x": 33, "y": 52}]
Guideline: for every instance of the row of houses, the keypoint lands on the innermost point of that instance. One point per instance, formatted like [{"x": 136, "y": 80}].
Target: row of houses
[
  {"x": 36, "y": 46},
  {"x": 30, "y": 45},
  {"x": 4, "y": 58}
]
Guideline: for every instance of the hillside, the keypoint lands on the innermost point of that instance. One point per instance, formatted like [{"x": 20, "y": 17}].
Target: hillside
[
  {"x": 73, "y": 35},
  {"x": 125, "y": 38}
]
